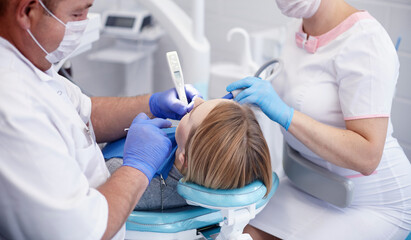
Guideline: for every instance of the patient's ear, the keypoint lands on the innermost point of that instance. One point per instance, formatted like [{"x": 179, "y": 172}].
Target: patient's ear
[
  {"x": 181, "y": 159},
  {"x": 180, "y": 162}
]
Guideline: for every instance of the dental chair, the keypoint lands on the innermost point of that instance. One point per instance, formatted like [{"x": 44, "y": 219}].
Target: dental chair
[{"x": 211, "y": 214}]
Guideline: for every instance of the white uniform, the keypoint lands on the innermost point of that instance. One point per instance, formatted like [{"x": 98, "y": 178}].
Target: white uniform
[
  {"x": 352, "y": 75},
  {"x": 50, "y": 162}
]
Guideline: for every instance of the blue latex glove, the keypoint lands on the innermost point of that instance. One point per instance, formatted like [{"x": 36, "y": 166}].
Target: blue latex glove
[
  {"x": 146, "y": 146},
  {"x": 262, "y": 94},
  {"x": 167, "y": 105}
]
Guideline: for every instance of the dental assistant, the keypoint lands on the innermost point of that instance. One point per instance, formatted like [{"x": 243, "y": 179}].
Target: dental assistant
[
  {"x": 53, "y": 179},
  {"x": 333, "y": 101}
]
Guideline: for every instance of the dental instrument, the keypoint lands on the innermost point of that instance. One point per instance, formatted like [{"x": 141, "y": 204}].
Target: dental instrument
[
  {"x": 177, "y": 75},
  {"x": 174, "y": 123},
  {"x": 228, "y": 96},
  {"x": 271, "y": 69},
  {"x": 232, "y": 94}
]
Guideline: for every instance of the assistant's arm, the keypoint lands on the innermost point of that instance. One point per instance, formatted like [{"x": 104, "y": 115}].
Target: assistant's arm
[{"x": 358, "y": 147}]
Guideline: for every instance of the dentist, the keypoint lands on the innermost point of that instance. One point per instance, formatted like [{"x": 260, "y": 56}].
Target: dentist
[
  {"x": 333, "y": 101},
  {"x": 53, "y": 180}
]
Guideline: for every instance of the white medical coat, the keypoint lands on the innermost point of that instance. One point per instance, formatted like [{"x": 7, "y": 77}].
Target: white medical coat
[{"x": 50, "y": 162}]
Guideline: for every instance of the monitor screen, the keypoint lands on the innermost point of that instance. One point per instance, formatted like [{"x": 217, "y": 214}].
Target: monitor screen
[{"x": 123, "y": 22}]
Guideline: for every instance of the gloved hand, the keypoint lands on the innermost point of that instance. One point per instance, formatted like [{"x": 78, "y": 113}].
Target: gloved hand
[
  {"x": 146, "y": 146},
  {"x": 167, "y": 105},
  {"x": 262, "y": 94}
]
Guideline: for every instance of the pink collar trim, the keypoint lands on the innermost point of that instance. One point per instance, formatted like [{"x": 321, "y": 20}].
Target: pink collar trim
[{"x": 312, "y": 43}]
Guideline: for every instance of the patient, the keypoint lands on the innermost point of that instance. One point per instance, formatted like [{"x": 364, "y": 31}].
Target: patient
[{"x": 218, "y": 145}]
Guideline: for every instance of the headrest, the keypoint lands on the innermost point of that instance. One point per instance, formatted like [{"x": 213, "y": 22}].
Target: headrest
[{"x": 221, "y": 198}]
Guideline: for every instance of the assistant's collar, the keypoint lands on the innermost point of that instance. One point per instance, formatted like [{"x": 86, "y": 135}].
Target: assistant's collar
[
  {"x": 312, "y": 43},
  {"x": 48, "y": 75}
]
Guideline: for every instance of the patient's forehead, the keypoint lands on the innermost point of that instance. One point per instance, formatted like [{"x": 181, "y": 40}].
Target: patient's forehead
[{"x": 201, "y": 110}]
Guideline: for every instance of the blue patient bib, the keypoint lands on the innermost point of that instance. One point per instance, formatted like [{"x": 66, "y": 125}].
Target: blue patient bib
[{"x": 116, "y": 150}]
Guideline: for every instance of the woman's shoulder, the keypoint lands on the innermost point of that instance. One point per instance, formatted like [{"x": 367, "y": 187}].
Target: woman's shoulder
[
  {"x": 367, "y": 39},
  {"x": 368, "y": 31}
]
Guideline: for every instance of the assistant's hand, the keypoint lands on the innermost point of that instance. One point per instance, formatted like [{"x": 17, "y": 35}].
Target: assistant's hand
[
  {"x": 146, "y": 146},
  {"x": 167, "y": 105},
  {"x": 262, "y": 94}
]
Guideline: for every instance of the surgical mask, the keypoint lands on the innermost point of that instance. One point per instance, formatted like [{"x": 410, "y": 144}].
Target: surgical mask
[
  {"x": 298, "y": 8},
  {"x": 71, "y": 40}
]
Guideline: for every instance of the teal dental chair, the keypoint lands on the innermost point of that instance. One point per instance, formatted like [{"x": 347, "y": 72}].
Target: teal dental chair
[{"x": 211, "y": 214}]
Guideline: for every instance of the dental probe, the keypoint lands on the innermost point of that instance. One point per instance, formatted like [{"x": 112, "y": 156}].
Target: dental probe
[
  {"x": 173, "y": 124},
  {"x": 177, "y": 75},
  {"x": 232, "y": 94},
  {"x": 274, "y": 72}
]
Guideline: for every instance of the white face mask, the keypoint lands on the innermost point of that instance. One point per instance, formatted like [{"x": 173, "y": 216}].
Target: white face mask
[
  {"x": 71, "y": 40},
  {"x": 298, "y": 8}
]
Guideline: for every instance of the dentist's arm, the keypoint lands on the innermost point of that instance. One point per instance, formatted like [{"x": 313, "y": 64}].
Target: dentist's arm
[
  {"x": 145, "y": 150},
  {"x": 122, "y": 191},
  {"x": 358, "y": 147},
  {"x": 110, "y": 115}
]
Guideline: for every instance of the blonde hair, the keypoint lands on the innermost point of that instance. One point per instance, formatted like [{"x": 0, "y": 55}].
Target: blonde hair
[{"x": 228, "y": 149}]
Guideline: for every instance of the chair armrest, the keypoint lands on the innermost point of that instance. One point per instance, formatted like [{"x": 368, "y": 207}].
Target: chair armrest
[{"x": 315, "y": 180}]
